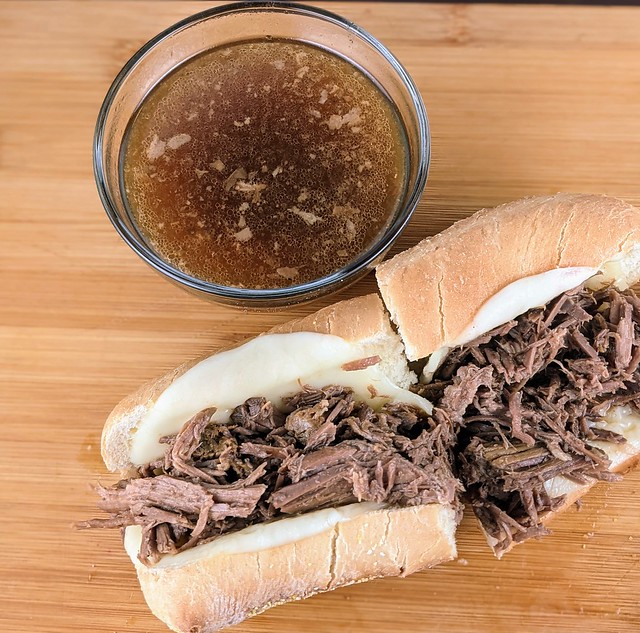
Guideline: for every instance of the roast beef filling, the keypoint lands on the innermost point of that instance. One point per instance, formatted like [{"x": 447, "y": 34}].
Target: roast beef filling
[
  {"x": 527, "y": 400},
  {"x": 324, "y": 449}
]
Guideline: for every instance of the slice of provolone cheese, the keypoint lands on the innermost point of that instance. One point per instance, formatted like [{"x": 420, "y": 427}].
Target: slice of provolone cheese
[
  {"x": 257, "y": 537},
  {"x": 535, "y": 291},
  {"x": 523, "y": 295},
  {"x": 273, "y": 366},
  {"x": 625, "y": 421},
  {"x": 513, "y": 300}
]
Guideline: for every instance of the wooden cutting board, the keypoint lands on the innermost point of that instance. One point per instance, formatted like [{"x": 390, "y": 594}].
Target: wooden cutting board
[{"x": 522, "y": 100}]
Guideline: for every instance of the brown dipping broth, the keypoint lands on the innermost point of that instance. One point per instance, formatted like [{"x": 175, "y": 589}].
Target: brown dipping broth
[{"x": 264, "y": 164}]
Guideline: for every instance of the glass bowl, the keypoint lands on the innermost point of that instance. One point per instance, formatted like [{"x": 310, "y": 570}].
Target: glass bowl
[{"x": 231, "y": 24}]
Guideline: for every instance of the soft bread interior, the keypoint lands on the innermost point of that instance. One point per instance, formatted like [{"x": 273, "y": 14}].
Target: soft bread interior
[
  {"x": 477, "y": 268},
  {"x": 356, "y": 328},
  {"x": 223, "y": 586},
  {"x": 623, "y": 270}
]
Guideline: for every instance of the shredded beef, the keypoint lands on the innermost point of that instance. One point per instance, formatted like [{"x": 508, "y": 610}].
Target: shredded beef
[
  {"x": 323, "y": 449},
  {"x": 514, "y": 409},
  {"x": 526, "y": 400}
]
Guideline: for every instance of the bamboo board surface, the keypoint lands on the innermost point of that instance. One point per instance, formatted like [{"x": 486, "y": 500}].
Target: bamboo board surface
[{"x": 522, "y": 100}]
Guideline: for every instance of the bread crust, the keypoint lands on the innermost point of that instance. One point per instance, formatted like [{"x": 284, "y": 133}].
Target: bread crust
[
  {"x": 353, "y": 320},
  {"x": 361, "y": 320},
  {"x": 434, "y": 290},
  {"x": 209, "y": 594}
]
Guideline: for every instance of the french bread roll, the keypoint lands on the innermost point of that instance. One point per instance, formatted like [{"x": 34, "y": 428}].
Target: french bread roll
[
  {"x": 240, "y": 574},
  {"x": 496, "y": 265}
]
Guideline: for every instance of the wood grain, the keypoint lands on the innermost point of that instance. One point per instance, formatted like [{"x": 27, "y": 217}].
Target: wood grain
[{"x": 522, "y": 100}]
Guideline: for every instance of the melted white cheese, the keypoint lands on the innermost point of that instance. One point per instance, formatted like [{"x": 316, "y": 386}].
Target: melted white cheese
[
  {"x": 254, "y": 538},
  {"x": 510, "y": 302},
  {"x": 623, "y": 420},
  {"x": 626, "y": 421},
  {"x": 434, "y": 362},
  {"x": 560, "y": 485},
  {"x": 522, "y": 295},
  {"x": 272, "y": 366},
  {"x": 623, "y": 271}
]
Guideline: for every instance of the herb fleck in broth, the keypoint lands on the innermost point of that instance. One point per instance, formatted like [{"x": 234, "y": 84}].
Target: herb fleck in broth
[{"x": 264, "y": 165}]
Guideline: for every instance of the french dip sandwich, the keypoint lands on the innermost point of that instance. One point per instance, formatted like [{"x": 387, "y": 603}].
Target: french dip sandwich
[
  {"x": 311, "y": 457},
  {"x": 293, "y": 464},
  {"x": 531, "y": 342}
]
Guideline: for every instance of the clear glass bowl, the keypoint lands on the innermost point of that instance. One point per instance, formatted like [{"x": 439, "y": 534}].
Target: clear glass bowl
[{"x": 235, "y": 23}]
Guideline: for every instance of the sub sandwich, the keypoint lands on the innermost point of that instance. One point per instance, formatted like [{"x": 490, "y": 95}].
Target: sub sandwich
[
  {"x": 293, "y": 464},
  {"x": 312, "y": 456},
  {"x": 530, "y": 338}
]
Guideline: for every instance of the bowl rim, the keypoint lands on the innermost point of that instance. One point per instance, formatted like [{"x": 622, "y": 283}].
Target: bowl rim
[{"x": 264, "y": 295}]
